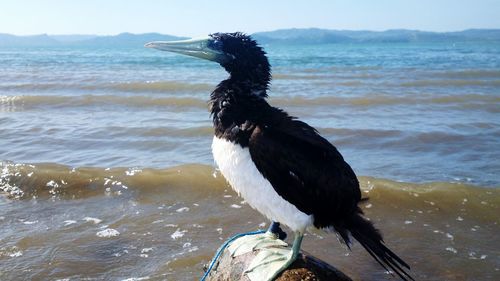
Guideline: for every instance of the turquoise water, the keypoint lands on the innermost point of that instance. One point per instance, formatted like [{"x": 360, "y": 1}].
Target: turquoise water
[
  {"x": 411, "y": 112},
  {"x": 106, "y": 171}
]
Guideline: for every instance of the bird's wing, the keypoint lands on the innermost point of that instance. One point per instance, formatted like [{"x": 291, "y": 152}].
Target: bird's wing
[{"x": 306, "y": 170}]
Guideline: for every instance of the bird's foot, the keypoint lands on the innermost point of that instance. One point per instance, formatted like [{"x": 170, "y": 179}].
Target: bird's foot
[
  {"x": 268, "y": 263},
  {"x": 255, "y": 242},
  {"x": 273, "y": 255}
]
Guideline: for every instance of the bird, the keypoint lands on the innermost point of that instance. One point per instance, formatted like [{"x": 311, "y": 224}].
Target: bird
[{"x": 281, "y": 166}]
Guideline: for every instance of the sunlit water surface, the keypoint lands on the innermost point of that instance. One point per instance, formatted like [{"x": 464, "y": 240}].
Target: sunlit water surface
[{"x": 106, "y": 170}]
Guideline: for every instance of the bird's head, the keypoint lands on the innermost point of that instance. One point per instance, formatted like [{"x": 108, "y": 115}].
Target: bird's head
[{"x": 237, "y": 52}]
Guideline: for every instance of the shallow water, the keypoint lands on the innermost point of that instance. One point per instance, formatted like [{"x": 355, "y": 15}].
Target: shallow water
[
  {"x": 166, "y": 223},
  {"x": 415, "y": 113},
  {"x": 106, "y": 171}
]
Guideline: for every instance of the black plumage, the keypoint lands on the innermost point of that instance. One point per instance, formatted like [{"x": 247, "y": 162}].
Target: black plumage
[{"x": 302, "y": 166}]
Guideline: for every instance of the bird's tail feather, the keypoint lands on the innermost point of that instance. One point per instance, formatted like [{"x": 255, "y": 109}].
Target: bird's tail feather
[{"x": 371, "y": 239}]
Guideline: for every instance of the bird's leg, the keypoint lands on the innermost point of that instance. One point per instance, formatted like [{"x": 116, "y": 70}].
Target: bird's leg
[
  {"x": 270, "y": 262},
  {"x": 275, "y": 229},
  {"x": 270, "y": 238},
  {"x": 273, "y": 232}
]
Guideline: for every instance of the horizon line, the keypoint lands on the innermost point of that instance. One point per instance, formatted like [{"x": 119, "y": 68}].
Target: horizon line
[{"x": 157, "y": 32}]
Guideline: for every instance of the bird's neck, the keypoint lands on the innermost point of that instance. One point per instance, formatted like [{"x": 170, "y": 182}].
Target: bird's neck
[
  {"x": 247, "y": 83},
  {"x": 251, "y": 76},
  {"x": 237, "y": 106}
]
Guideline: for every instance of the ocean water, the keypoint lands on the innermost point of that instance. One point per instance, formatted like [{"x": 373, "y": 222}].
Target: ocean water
[{"x": 106, "y": 170}]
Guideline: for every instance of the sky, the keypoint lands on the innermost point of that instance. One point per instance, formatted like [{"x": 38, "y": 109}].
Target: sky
[{"x": 196, "y": 18}]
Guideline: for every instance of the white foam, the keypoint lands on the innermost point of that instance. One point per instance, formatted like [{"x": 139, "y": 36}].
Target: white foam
[
  {"x": 188, "y": 248},
  {"x": 108, "y": 232},
  {"x": 178, "y": 234},
  {"x": 472, "y": 255},
  {"x": 119, "y": 254},
  {"x": 16, "y": 254},
  {"x": 146, "y": 250},
  {"x": 451, "y": 249},
  {"x": 94, "y": 220},
  {"x": 137, "y": 278},
  {"x": 8, "y": 99},
  {"x": 132, "y": 172},
  {"x": 52, "y": 183},
  {"x": 193, "y": 249},
  {"x": 183, "y": 209}
]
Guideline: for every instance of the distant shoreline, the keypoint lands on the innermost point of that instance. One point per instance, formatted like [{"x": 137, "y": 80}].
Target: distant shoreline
[{"x": 281, "y": 36}]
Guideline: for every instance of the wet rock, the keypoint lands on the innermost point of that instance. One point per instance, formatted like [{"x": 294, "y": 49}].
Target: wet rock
[{"x": 306, "y": 267}]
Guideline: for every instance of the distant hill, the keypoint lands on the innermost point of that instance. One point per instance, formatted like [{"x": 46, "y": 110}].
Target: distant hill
[
  {"x": 129, "y": 39},
  {"x": 72, "y": 38},
  {"x": 282, "y": 36},
  {"x": 33, "y": 40},
  {"x": 123, "y": 39},
  {"x": 309, "y": 36},
  {"x": 324, "y": 36}
]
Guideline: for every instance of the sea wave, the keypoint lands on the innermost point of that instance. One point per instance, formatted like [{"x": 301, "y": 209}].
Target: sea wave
[
  {"x": 159, "y": 86},
  {"x": 128, "y": 214},
  {"x": 54, "y": 205},
  {"x": 442, "y": 79},
  {"x": 147, "y": 86},
  {"x": 469, "y": 73},
  {"x": 466, "y": 101},
  {"x": 380, "y": 100},
  {"x": 449, "y": 83},
  {"x": 163, "y": 131},
  {"x": 23, "y": 102},
  {"x": 24, "y": 181}
]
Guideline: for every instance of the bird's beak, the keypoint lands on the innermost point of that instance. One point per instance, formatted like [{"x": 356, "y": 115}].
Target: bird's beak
[{"x": 201, "y": 48}]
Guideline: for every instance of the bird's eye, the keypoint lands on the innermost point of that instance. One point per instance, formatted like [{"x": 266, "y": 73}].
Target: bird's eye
[
  {"x": 215, "y": 44},
  {"x": 225, "y": 103}
]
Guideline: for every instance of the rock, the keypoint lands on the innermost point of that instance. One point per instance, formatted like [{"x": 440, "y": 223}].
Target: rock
[{"x": 306, "y": 267}]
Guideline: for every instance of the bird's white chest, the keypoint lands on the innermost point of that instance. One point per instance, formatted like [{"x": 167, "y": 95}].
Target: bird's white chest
[{"x": 236, "y": 164}]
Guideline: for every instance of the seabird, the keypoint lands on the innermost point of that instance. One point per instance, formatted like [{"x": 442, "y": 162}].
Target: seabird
[{"x": 280, "y": 165}]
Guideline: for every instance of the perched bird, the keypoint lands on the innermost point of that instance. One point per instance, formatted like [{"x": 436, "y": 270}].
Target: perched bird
[{"x": 281, "y": 166}]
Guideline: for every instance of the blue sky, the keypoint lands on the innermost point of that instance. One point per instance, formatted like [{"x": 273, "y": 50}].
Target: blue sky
[{"x": 194, "y": 18}]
